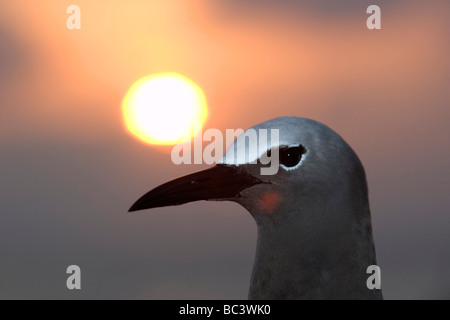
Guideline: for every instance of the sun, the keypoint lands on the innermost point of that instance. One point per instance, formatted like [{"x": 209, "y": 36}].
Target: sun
[{"x": 163, "y": 108}]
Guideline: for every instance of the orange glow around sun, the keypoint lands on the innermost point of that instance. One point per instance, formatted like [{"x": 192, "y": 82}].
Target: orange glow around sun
[{"x": 163, "y": 108}]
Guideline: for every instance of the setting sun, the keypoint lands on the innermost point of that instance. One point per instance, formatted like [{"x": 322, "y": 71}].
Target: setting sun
[{"x": 162, "y": 108}]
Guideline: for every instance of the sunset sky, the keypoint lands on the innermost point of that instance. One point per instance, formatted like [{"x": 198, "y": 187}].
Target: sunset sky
[{"x": 69, "y": 168}]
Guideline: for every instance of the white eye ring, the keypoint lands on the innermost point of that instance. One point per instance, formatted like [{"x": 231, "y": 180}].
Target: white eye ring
[{"x": 304, "y": 156}]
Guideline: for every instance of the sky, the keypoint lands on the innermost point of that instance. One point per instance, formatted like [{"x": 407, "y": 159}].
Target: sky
[{"x": 69, "y": 170}]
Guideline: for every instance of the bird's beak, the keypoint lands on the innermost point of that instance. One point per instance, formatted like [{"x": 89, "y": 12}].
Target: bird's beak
[{"x": 221, "y": 182}]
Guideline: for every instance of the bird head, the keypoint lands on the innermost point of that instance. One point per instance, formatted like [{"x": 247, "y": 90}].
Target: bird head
[
  {"x": 315, "y": 168},
  {"x": 310, "y": 203}
]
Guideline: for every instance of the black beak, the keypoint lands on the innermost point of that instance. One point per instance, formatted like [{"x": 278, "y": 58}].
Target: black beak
[{"x": 221, "y": 182}]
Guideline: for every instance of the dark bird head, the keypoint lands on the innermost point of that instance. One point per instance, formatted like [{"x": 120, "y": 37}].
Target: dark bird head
[{"x": 312, "y": 209}]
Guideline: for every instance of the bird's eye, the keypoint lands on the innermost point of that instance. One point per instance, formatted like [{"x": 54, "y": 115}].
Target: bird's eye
[{"x": 290, "y": 156}]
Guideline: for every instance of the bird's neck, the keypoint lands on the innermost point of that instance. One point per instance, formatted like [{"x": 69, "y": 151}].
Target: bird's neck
[{"x": 300, "y": 262}]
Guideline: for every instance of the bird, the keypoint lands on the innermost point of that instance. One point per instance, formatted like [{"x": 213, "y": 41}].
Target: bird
[{"x": 314, "y": 228}]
